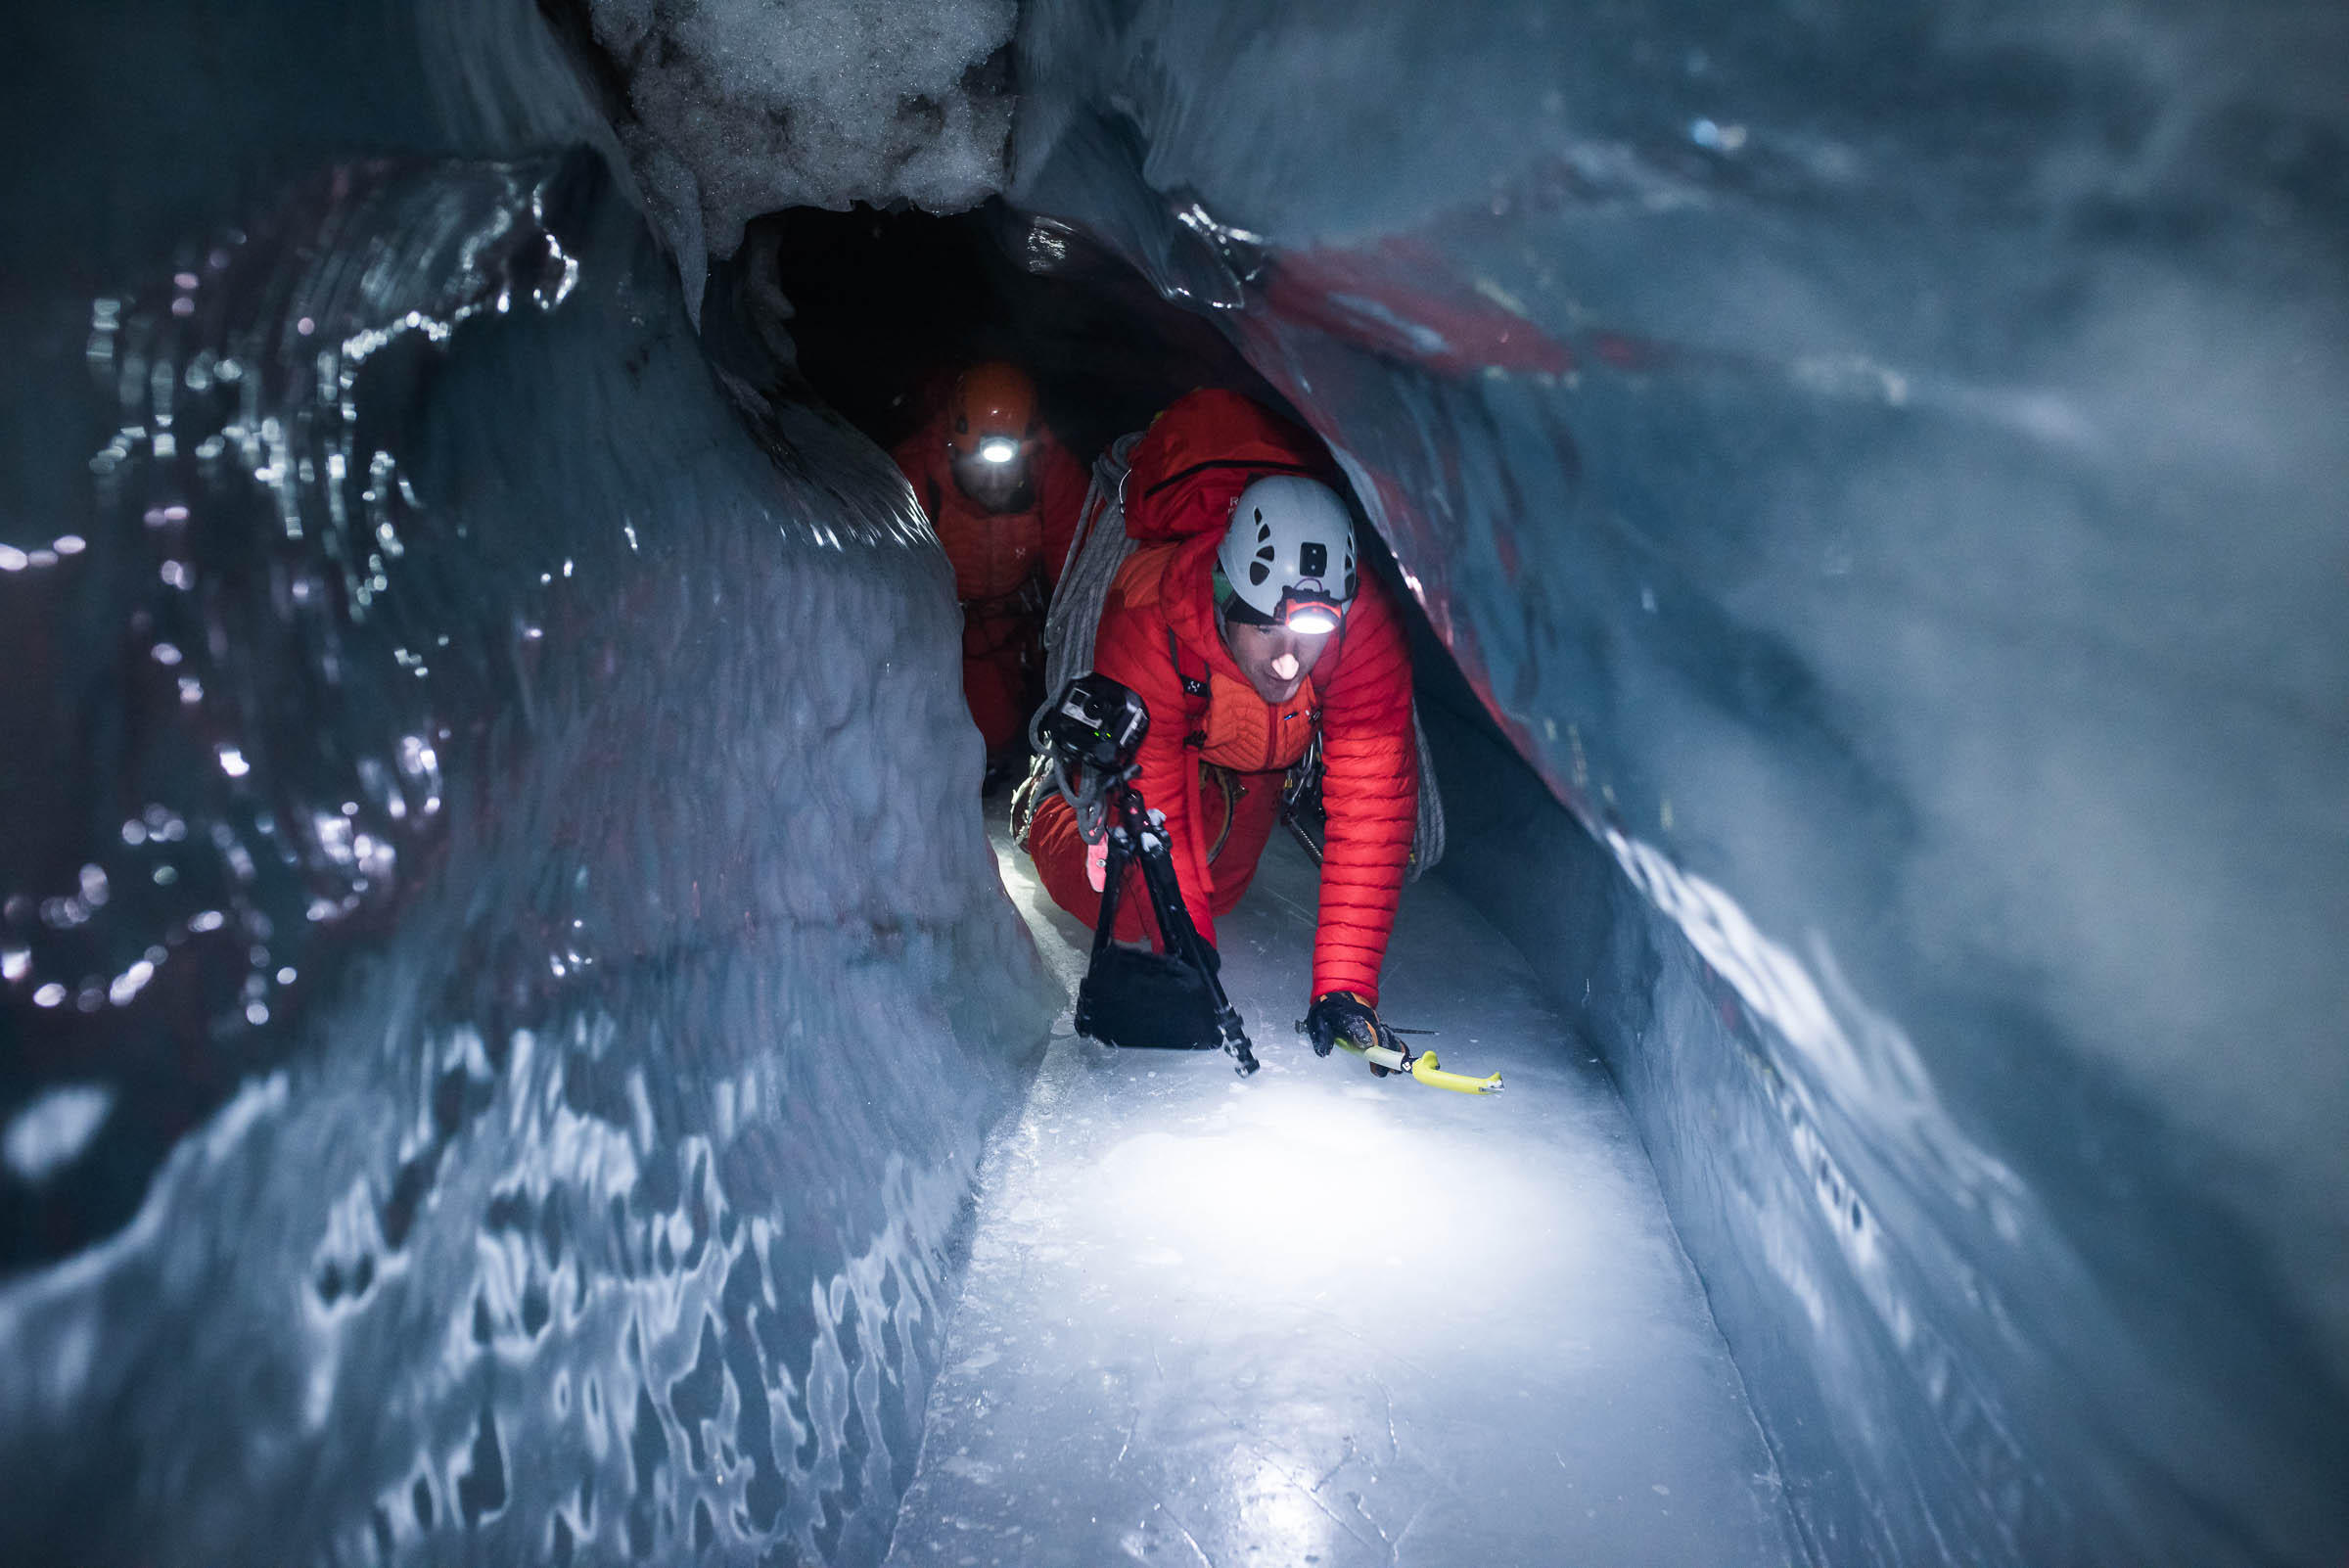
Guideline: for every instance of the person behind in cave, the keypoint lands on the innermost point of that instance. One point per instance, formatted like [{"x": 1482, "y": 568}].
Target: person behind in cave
[
  {"x": 1002, "y": 495},
  {"x": 1243, "y": 623}
]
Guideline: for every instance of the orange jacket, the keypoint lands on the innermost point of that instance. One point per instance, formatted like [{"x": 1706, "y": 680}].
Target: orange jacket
[
  {"x": 995, "y": 553},
  {"x": 1360, "y": 696}
]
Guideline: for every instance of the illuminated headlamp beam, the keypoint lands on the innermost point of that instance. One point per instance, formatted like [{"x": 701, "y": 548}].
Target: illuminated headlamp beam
[
  {"x": 997, "y": 449},
  {"x": 1310, "y": 617}
]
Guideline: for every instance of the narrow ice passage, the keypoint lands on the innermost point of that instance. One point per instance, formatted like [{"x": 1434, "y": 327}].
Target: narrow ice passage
[
  {"x": 505, "y": 1000},
  {"x": 1318, "y": 1317}
]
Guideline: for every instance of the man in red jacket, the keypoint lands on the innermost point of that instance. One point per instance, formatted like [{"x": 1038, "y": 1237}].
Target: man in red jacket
[
  {"x": 1247, "y": 640},
  {"x": 1002, "y": 495}
]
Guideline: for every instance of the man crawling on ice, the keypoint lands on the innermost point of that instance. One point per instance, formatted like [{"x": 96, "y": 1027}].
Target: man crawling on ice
[{"x": 1244, "y": 625}]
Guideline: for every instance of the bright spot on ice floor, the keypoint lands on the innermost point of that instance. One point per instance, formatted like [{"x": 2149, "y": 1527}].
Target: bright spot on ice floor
[
  {"x": 1322, "y": 1318},
  {"x": 1288, "y": 1186}
]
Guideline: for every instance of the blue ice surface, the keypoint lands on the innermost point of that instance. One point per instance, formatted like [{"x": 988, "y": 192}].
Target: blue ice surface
[{"x": 1324, "y": 1318}]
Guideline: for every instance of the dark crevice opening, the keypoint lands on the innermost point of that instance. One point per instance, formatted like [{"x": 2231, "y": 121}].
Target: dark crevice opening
[
  {"x": 875, "y": 310},
  {"x": 885, "y": 304}
]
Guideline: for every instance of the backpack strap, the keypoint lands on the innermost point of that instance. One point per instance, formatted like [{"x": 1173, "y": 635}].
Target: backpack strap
[{"x": 1194, "y": 687}]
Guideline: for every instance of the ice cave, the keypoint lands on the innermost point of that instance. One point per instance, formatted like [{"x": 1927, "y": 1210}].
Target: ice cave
[{"x": 523, "y": 1042}]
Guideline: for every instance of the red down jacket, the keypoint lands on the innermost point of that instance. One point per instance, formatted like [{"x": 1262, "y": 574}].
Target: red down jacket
[
  {"x": 1361, "y": 687},
  {"x": 1006, "y": 565}
]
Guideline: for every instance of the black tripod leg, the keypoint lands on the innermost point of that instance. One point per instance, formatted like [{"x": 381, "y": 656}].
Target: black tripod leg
[{"x": 1182, "y": 939}]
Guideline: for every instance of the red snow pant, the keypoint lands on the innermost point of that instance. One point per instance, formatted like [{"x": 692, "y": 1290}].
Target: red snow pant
[
  {"x": 1059, "y": 851},
  {"x": 1001, "y": 677}
]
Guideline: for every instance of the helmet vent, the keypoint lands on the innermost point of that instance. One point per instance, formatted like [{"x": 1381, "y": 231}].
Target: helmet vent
[{"x": 1257, "y": 573}]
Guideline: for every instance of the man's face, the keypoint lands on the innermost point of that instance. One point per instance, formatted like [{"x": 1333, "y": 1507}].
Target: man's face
[
  {"x": 991, "y": 484},
  {"x": 1274, "y": 659}
]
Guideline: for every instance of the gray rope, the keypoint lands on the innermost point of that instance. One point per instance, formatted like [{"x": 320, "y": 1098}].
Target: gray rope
[
  {"x": 1094, "y": 557},
  {"x": 1427, "y": 835}
]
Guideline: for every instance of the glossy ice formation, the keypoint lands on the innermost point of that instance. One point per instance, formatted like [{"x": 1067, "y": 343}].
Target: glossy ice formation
[
  {"x": 599, "y": 1200},
  {"x": 1321, "y": 1318}
]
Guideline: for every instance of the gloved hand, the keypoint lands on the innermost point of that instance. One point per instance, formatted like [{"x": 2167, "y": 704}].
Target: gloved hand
[{"x": 1342, "y": 1015}]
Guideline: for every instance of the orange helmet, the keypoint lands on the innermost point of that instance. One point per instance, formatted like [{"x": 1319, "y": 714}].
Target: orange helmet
[{"x": 993, "y": 403}]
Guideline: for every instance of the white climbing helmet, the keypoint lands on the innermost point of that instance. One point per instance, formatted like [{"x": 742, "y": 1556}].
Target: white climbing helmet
[{"x": 1289, "y": 555}]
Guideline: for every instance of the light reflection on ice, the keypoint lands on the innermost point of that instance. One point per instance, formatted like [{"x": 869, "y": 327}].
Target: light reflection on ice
[
  {"x": 51, "y": 1132},
  {"x": 127, "y": 984},
  {"x": 811, "y": 1244}
]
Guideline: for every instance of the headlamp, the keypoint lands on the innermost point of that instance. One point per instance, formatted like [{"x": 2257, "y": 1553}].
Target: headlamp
[
  {"x": 1310, "y": 611},
  {"x": 998, "y": 450}
]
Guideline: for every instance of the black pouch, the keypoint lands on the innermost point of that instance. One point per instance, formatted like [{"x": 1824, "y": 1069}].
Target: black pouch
[{"x": 1146, "y": 1000}]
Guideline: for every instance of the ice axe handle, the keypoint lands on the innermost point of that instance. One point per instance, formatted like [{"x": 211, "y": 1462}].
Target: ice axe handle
[
  {"x": 1423, "y": 1068},
  {"x": 1426, "y": 1071}
]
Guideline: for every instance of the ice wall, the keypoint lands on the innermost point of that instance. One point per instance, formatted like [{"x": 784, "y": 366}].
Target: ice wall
[
  {"x": 1882, "y": 466},
  {"x": 511, "y": 786}
]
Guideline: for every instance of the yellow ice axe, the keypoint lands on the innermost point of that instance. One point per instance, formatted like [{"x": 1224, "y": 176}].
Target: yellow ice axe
[{"x": 1423, "y": 1067}]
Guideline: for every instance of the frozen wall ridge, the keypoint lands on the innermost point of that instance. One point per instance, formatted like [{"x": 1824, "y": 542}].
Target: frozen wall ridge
[
  {"x": 1872, "y": 1065},
  {"x": 239, "y": 423},
  {"x": 690, "y": 1081},
  {"x": 1851, "y": 1072}
]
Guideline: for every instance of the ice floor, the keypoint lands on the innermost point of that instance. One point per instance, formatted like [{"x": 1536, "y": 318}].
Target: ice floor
[{"x": 1322, "y": 1319}]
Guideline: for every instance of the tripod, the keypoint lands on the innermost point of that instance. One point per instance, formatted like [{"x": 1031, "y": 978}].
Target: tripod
[{"x": 1170, "y": 1001}]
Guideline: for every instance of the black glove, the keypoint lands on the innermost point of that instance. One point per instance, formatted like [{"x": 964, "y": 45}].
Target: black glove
[{"x": 1341, "y": 1015}]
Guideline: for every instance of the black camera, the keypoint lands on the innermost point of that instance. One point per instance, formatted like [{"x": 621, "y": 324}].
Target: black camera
[{"x": 1096, "y": 722}]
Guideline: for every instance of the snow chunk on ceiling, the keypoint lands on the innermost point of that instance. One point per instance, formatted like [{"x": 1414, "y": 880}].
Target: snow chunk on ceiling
[{"x": 745, "y": 106}]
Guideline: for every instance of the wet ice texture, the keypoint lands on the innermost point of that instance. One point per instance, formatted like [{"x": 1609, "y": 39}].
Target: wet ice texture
[
  {"x": 604, "y": 1208},
  {"x": 1322, "y": 1318},
  {"x": 1884, "y": 470},
  {"x": 743, "y": 107}
]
